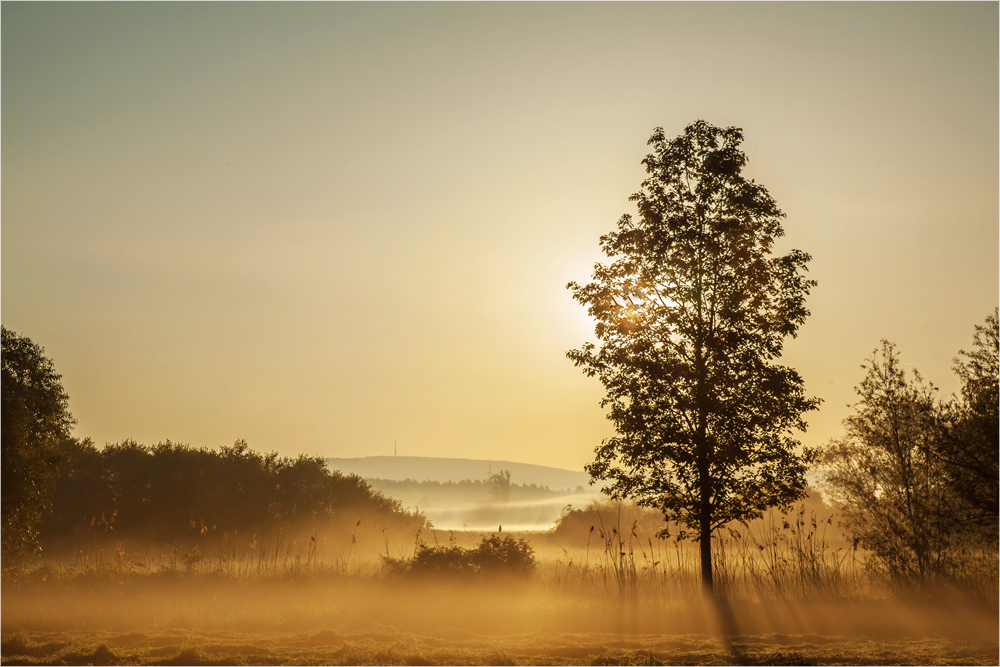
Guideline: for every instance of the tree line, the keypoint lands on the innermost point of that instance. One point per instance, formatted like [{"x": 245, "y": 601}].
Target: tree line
[
  {"x": 170, "y": 491},
  {"x": 58, "y": 490},
  {"x": 498, "y": 487}
]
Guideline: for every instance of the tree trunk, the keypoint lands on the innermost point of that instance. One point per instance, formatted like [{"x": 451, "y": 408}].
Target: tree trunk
[
  {"x": 705, "y": 534},
  {"x": 703, "y": 454},
  {"x": 704, "y": 478}
]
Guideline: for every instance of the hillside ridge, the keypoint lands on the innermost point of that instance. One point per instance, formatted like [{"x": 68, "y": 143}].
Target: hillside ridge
[{"x": 442, "y": 469}]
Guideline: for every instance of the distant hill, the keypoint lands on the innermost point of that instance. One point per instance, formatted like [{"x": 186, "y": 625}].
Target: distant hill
[{"x": 426, "y": 468}]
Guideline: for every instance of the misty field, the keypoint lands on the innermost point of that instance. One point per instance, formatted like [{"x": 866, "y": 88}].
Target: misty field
[
  {"x": 331, "y": 624},
  {"x": 331, "y": 621},
  {"x": 609, "y": 596}
]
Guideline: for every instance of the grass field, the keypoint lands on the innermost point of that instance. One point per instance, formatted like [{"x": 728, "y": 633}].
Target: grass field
[
  {"x": 192, "y": 619},
  {"x": 389, "y": 647},
  {"x": 617, "y": 597}
]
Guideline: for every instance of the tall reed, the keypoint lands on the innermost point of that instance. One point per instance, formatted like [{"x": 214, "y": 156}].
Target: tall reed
[{"x": 781, "y": 557}]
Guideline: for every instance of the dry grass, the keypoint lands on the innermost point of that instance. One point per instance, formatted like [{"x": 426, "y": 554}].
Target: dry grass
[
  {"x": 329, "y": 647},
  {"x": 291, "y": 624},
  {"x": 778, "y": 558},
  {"x": 626, "y": 598}
]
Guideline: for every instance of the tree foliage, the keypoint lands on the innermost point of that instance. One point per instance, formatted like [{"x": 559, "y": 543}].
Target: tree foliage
[
  {"x": 173, "y": 492},
  {"x": 499, "y": 484},
  {"x": 884, "y": 475},
  {"x": 969, "y": 437},
  {"x": 35, "y": 417},
  {"x": 916, "y": 477},
  {"x": 692, "y": 314}
]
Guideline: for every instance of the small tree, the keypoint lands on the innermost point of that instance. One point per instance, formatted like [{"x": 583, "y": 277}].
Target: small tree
[
  {"x": 499, "y": 484},
  {"x": 35, "y": 418},
  {"x": 884, "y": 476},
  {"x": 692, "y": 314}
]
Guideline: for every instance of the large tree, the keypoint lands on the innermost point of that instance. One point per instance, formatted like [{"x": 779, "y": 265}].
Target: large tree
[
  {"x": 692, "y": 313},
  {"x": 35, "y": 418}
]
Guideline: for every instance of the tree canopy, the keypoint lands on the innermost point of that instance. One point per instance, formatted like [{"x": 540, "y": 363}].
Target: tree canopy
[
  {"x": 969, "y": 442},
  {"x": 916, "y": 477},
  {"x": 691, "y": 314},
  {"x": 883, "y": 475},
  {"x": 35, "y": 418},
  {"x": 172, "y": 492}
]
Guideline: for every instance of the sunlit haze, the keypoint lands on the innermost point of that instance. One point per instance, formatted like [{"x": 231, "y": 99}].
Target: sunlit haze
[{"x": 326, "y": 228}]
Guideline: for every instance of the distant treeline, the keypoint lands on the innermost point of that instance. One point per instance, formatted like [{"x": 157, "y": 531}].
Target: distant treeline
[
  {"x": 498, "y": 488},
  {"x": 174, "y": 492}
]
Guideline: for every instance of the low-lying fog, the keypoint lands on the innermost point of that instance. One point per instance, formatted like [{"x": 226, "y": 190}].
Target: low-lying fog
[
  {"x": 488, "y": 514},
  {"x": 461, "y": 494}
]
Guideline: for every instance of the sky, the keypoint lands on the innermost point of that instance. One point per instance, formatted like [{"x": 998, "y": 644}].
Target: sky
[{"x": 329, "y": 228}]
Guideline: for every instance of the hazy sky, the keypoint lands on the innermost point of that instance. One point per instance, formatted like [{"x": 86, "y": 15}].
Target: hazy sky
[{"x": 323, "y": 227}]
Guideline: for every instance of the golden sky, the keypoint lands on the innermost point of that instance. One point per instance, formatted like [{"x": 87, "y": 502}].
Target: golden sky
[{"x": 323, "y": 227}]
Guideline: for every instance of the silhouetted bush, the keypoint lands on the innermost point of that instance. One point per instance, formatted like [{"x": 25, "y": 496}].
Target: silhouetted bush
[
  {"x": 495, "y": 555},
  {"x": 504, "y": 555},
  {"x": 451, "y": 559}
]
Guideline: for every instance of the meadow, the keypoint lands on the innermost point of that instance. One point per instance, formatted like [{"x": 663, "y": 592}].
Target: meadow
[{"x": 798, "y": 593}]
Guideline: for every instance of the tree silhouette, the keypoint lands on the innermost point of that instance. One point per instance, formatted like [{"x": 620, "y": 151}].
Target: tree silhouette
[
  {"x": 692, "y": 313},
  {"x": 969, "y": 437},
  {"x": 172, "y": 492},
  {"x": 500, "y": 486},
  {"x": 35, "y": 418},
  {"x": 882, "y": 472}
]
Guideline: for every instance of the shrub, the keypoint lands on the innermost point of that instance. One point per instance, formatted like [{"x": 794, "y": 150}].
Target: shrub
[
  {"x": 450, "y": 559},
  {"x": 495, "y": 555},
  {"x": 504, "y": 554}
]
